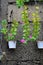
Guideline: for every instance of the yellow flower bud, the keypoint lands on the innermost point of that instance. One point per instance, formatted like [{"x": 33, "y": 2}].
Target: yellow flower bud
[
  {"x": 37, "y": 7},
  {"x": 25, "y": 11},
  {"x": 25, "y": 7},
  {"x": 33, "y": 14}
]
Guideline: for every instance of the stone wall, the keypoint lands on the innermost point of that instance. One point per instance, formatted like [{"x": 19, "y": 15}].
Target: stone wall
[{"x": 24, "y": 54}]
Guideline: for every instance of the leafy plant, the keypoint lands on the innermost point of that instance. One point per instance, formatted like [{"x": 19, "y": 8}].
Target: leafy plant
[
  {"x": 13, "y": 31},
  {"x": 21, "y": 2},
  {"x": 40, "y": 0},
  {"x": 26, "y": 0},
  {"x": 4, "y": 26},
  {"x": 27, "y": 36},
  {"x": 9, "y": 33},
  {"x": 26, "y": 25},
  {"x": 36, "y": 24}
]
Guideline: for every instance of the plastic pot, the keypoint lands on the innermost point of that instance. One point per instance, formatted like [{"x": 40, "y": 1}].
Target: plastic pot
[
  {"x": 40, "y": 44},
  {"x": 12, "y": 44}
]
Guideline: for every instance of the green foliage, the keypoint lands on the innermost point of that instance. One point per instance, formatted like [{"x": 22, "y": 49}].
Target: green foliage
[
  {"x": 36, "y": 24},
  {"x": 26, "y": 26},
  {"x": 13, "y": 31},
  {"x": 9, "y": 33},
  {"x": 40, "y": 0},
  {"x": 26, "y": 0},
  {"x": 4, "y": 26},
  {"x": 21, "y": 2}
]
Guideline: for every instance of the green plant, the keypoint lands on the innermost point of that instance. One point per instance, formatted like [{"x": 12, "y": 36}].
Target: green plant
[
  {"x": 13, "y": 31},
  {"x": 26, "y": 0},
  {"x": 26, "y": 25},
  {"x": 36, "y": 24},
  {"x": 9, "y": 33},
  {"x": 27, "y": 36},
  {"x": 21, "y": 2},
  {"x": 40, "y": 0},
  {"x": 4, "y": 26}
]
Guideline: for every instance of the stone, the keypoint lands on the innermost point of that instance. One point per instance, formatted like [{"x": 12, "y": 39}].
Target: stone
[
  {"x": 11, "y": 0},
  {"x": 11, "y": 63}
]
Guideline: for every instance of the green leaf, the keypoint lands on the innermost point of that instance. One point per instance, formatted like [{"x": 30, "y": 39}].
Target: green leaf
[{"x": 27, "y": 0}]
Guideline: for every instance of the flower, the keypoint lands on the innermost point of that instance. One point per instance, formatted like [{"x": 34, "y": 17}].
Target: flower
[
  {"x": 21, "y": 22},
  {"x": 33, "y": 14},
  {"x": 22, "y": 41},
  {"x": 37, "y": 7},
  {"x": 10, "y": 34},
  {"x": 30, "y": 36}
]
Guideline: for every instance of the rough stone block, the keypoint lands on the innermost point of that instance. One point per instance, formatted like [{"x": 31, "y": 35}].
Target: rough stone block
[
  {"x": 11, "y": 0},
  {"x": 11, "y": 63},
  {"x": 17, "y": 12},
  {"x": 4, "y": 6},
  {"x": 21, "y": 63}
]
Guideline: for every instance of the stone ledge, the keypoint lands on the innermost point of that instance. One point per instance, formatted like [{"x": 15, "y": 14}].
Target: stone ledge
[
  {"x": 21, "y": 63},
  {"x": 11, "y": 0}
]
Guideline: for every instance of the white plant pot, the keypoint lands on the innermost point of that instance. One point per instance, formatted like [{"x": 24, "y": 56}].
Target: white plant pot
[
  {"x": 12, "y": 44},
  {"x": 40, "y": 44}
]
